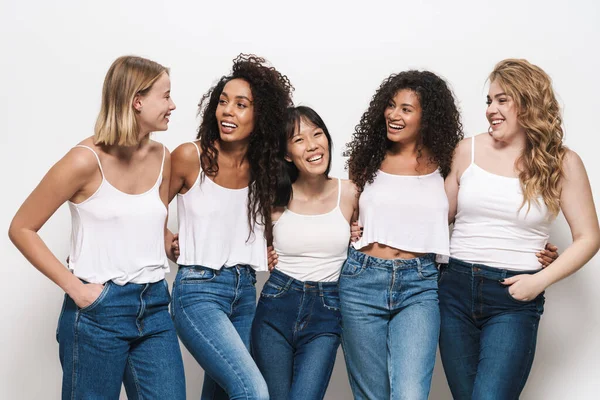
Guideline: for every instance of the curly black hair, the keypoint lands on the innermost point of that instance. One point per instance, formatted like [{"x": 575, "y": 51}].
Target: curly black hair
[
  {"x": 272, "y": 94},
  {"x": 441, "y": 129}
]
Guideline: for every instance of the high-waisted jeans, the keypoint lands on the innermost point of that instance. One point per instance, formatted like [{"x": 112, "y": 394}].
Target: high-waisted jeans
[
  {"x": 391, "y": 323},
  {"x": 295, "y": 336},
  {"x": 488, "y": 338}
]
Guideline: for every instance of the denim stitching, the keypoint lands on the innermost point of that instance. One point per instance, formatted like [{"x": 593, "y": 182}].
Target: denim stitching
[
  {"x": 75, "y": 355},
  {"x": 135, "y": 378},
  {"x": 216, "y": 349}
]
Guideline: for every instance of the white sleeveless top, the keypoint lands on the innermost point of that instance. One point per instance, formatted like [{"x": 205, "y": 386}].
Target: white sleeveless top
[
  {"x": 405, "y": 212},
  {"x": 117, "y": 236},
  {"x": 490, "y": 228},
  {"x": 213, "y": 227},
  {"x": 312, "y": 247}
]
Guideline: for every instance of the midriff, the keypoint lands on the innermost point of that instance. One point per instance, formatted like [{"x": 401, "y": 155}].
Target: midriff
[{"x": 387, "y": 252}]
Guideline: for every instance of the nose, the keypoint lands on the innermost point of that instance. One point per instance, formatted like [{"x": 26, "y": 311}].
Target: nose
[
  {"x": 172, "y": 106},
  {"x": 394, "y": 114},
  {"x": 311, "y": 144},
  {"x": 228, "y": 110}
]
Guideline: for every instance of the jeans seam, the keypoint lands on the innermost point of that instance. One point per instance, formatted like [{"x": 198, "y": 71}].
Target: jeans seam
[
  {"x": 216, "y": 349},
  {"x": 135, "y": 377},
  {"x": 75, "y": 355}
]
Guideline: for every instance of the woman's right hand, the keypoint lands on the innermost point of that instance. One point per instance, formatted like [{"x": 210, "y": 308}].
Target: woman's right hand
[
  {"x": 356, "y": 232},
  {"x": 87, "y": 294},
  {"x": 271, "y": 258}
]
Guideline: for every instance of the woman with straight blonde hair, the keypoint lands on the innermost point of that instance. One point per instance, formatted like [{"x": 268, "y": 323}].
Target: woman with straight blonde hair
[
  {"x": 505, "y": 188},
  {"x": 114, "y": 326}
]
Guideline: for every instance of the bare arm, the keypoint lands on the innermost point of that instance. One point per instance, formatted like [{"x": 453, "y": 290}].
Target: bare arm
[
  {"x": 68, "y": 179},
  {"x": 577, "y": 205},
  {"x": 460, "y": 162}
]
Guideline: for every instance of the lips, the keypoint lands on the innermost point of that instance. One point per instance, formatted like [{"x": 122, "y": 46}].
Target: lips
[
  {"x": 496, "y": 122},
  {"x": 315, "y": 158},
  {"x": 228, "y": 127},
  {"x": 395, "y": 126}
]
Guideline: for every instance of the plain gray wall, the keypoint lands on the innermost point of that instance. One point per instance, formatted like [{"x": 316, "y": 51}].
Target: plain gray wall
[{"x": 55, "y": 55}]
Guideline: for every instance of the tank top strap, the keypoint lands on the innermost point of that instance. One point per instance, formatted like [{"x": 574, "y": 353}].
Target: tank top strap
[
  {"x": 339, "y": 191},
  {"x": 473, "y": 150},
  {"x": 197, "y": 149},
  {"x": 162, "y": 165},
  {"x": 95, "y": 155}
]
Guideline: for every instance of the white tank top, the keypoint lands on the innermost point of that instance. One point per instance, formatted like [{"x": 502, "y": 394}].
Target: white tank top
[
  {"x": 312, "y": 247},
  {"x": 490, "y": 228},
  {"x": 117, "y": 236},
  {"x": 405, "y": 212},
  {"x": 213, "y": 227}
]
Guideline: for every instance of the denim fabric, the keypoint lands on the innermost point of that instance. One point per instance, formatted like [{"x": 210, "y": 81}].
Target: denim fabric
[
  {"x": 391, "y": 323},
  {"x": 125, "y": 336},
  {"x": 488, "y": 338},
  {"x": 295, "y": 336},
  {"x": 213, "y": 312}
]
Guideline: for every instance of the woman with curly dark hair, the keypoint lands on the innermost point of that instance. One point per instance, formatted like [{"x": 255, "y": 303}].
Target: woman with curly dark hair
[
  {"x": 400, "y": 153},
  {"x": 226, "y": 183}
]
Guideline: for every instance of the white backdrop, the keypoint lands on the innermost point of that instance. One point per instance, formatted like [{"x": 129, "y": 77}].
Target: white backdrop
[{"x": 55, "y": 54}]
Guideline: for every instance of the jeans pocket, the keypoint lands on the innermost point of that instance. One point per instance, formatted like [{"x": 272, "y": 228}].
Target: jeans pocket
[
  {"x": 510, "y": 296},
  {"x": 197, "y": 274},
  {"x": 166, "y": 286},
  {"x": 331, "y": 301},
  {"x": 273, "y": 290},
  {"x": 428, "y": 272},
  {"x": 103, "y": 294},
  {"x": 252, "y": 274},
  {"x": 352, "y": 268}
]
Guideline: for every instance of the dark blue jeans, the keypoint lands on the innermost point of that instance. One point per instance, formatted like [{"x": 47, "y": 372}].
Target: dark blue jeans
[
  {"x": 213, "y": 312},
  {"x": 125, "y": 336},
  {"x": 488, "y": 338},
  {"x": 295, "y": 336}
]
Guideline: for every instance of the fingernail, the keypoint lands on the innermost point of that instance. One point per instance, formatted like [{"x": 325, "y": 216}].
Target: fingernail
[
  {"x": 501, "y": 280},
  {"x": 362, "y": 229}
]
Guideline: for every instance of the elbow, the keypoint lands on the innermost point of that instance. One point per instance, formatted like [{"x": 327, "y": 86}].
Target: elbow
[{"x": 13, "y": 232}]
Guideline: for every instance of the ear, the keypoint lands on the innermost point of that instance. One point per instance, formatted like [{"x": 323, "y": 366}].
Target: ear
[
  {"x": 137, "y": 103},
  {"x": 287, "y": 158}
]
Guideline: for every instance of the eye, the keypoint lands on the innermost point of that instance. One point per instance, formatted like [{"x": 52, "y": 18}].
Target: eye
[
  {"x": 222, "y": 101},
  {"x": 502, "y": 100},
  {"x": 318, "y": 133},
  {"x": 406, "y": 110},
  {"x": 297, "y": 140},
  {"x": 488, "y": 102},
  {"x": 390, "y": 105},
  {"x": 241, "y": 105}
]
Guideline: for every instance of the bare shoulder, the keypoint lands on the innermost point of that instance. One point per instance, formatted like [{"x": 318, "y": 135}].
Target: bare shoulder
[
  {"x": 349, "y": 188},
  {"x": 276, "y": 213},
  {"x": 573, "y": 164},
  {"x": 185, "y": 152},
  {"x": 80, "y": 161}
]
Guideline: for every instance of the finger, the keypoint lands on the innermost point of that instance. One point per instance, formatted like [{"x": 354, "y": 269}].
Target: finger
[
  {"x": 543, "y": 262},
  {"x": 509, "y": 281},
  {"x": 548, "y": 260},
  {"x": 551, "y": 247},
  {"x": 355, "y": 224}
]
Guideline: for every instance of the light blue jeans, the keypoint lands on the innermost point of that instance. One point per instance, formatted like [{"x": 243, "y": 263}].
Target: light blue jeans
[
  {"x": 125, "y": 336},
  {"x": 213, "y": 312},
  {"x": 391, "y": 325}
]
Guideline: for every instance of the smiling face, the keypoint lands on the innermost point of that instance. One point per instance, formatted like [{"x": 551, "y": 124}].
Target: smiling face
[
  {"x": 308, "y": 149},
  {"x": 403, "y": 116},
  {"x": 154, "y": 108},
  {"x": 235, "y": 111},
  {"x": 502, "y": 114}
]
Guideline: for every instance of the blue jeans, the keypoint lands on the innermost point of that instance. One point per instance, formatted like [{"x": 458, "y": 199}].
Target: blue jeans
[
  {"x": 125, "y": 336},
  {"x": 488, "y": 338},
  {"x": 391, "y": 324},
  {"x": 295, "y": 336},
  {"x": 213, "y": 312}
]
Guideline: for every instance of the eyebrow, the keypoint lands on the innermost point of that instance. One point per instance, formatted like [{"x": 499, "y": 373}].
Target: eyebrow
[
  {"x": 237, "y": 97},
  {"x": 500, "y": 94}
]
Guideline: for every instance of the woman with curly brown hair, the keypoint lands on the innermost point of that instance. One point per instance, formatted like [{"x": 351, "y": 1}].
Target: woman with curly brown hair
[
  {"x": 226, "y": 183},
  {"x": 505, "y": 189},
  {"x": 399, "y": 156}
]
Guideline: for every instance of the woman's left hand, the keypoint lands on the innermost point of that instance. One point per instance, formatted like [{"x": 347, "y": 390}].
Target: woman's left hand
[{"x": 524, "y": 287}]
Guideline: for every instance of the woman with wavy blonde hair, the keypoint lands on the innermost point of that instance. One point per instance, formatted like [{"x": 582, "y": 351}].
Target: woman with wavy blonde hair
[{"x": 505, "y": 189}]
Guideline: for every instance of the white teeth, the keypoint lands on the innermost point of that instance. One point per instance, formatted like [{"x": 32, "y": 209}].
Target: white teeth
[
  {"x": 229, "y": 125},
  {"x": 393, "y": 126},
  {"x": 317, "y": 158},
  {"x": 497, "y": 121}
]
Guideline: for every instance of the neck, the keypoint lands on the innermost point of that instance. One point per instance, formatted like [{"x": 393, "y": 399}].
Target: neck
[
  {"x": 236, "y": 152},
  {"x": 404, "y": 148},
  {"x": 311, "y": 186},
  {"x": 514, "y": 143}
]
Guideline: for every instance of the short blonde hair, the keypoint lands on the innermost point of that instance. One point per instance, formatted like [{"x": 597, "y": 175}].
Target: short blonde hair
[
  {"x": 538, "y": 112},
  {"x": 127, "y": 77}
]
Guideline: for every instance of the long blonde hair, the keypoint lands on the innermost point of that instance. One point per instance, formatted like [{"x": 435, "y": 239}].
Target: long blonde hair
[
  {"x": 127, "y": 77},
  {"x": 538, "y": 112}
]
